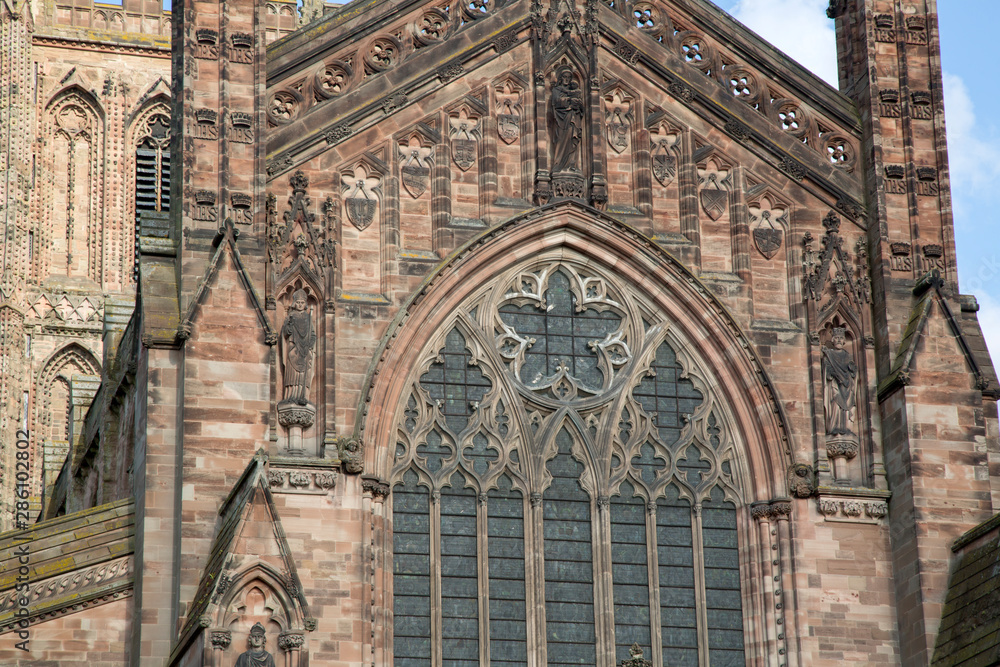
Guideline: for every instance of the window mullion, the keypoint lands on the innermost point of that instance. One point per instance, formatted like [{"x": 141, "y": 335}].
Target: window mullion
[
  {"x": 534, "y": 574},
  {"x": 653, "y": 573},
  {"x": 483, "y": 565},
  {"x": 604, "y": 618},
  {"x": 700, "y": 596},
  {"x": 437, "y": 641}
]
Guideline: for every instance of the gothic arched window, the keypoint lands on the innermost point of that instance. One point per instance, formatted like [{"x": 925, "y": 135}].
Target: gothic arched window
[
  {"x": 152, "y": 170},
  {"x": 565, "y": 485}
]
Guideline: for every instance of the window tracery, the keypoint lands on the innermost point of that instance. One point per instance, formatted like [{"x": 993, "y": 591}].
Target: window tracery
[
  {"x": 151, "y": 175},
  {"x": 558, "y": 414}
]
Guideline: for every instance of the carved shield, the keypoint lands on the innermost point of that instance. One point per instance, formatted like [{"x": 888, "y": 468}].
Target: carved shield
[
  {"x": 664, "y": 167},
  {"x": 714, "y": 202},
  {"x": 768, "y": 240},
  {"x": 509, "y": 127},
  {"x": 360, "y": 212},
  {"x": 463, "y": 151},
  {"x": 415, "y": 179},
  {"x": 618, "y": 136}
]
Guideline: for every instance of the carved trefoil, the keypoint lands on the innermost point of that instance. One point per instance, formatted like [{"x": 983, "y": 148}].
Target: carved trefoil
[
  {"x": 416, "y": 159},
  {"x": 465, "y": 132},
  {"x": 767, "y": 223},
  {"x": 360, "y": 195},
  {"x": 714, "y": 191}
]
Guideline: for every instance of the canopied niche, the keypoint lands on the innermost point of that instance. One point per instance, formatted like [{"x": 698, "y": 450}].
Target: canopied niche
[
  {"x": 301, "y": 263},
  {"x": 258, "y": 622}
]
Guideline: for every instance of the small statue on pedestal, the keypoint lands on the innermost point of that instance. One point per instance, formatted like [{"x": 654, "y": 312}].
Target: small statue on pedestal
[
  {"x": 298, "y": 344},
  {"x": 840, "y": 380}
]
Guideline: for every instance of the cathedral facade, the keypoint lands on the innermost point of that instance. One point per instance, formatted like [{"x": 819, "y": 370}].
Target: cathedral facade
[{"x": 515, "y": 332}]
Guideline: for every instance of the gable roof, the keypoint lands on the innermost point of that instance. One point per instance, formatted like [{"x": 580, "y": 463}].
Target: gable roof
[
  {"x": 225, "y": 241},
  {"x": 252, "y": 489},
  {"x": 367, "y": 92},
  {"x": 928, "y": 291},
  {"x": 74, "y": 561}
]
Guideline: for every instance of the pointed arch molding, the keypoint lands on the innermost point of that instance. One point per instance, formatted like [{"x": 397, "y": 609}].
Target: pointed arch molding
[{"x": 734, "y": 373}]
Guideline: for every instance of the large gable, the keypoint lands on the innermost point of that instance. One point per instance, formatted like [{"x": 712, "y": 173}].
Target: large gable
[{"x": 685, "y": 62}]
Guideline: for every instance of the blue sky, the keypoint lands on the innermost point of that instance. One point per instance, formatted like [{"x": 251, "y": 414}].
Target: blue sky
[{"x": 800, "y": 29}]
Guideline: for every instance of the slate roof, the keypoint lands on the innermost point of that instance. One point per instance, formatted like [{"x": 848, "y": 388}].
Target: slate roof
[{"x": 970, "y": 623}]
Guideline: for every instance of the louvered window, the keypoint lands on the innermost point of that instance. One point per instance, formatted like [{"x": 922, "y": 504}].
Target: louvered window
[
  {"x": 152, "y": 174},
  {"x": 564, "y": 487}
]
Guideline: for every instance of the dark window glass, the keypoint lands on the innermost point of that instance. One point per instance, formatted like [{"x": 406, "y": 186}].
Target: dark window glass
[
  {"x": 505, "y": 528},
  {"x": 459, "y": 582},
  {"x": 675, "y": 553},
  {"x": 455, "y": 382},
  {"x": 569, "y": 575},
  {"x": 562, "y": 335},
  {"x": 411, "y": 581},
  {"x": 629, "y": 572},
  {"x": 666, "y": 396},
  {"x": 722, "y": 581}
]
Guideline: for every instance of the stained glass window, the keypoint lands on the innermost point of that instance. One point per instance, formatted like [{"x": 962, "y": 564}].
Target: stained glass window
[{"x": 557, "y": 467}]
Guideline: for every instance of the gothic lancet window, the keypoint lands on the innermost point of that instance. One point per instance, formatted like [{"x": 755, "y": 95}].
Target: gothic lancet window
[
  {"x": 152, "y": 171},
  {"x": 564, "y": 485}
]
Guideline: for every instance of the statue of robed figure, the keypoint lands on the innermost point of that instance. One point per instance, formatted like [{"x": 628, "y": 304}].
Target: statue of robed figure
[
  {"x": 298, "y": 350},
  {"x": 840, "y": 379},
  {"x": 255, "y": 655},
  {"x": 567, "y": 114}
]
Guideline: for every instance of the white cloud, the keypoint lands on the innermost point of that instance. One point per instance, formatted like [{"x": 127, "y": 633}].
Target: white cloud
[
  {"x": 973, "y": 156},
  {"x": 800, "y": 28}
]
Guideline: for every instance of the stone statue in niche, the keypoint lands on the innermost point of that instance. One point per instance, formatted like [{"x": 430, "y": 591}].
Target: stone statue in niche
[
  {"x": 567, "y": 113},
  {"x": 298, "y": 350},
  {"x": 840, "y": 380},
  {"x": 255, "y": 655}
]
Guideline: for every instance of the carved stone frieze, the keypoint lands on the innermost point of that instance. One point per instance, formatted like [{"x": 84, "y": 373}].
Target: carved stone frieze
[
  {"x": 852, "y": 509},
  {"x": 319, "y": 478},
  {"x": 68, "y": 593}
]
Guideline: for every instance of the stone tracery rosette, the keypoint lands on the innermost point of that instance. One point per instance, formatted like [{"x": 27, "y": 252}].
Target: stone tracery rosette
[{"x": 520, "y": 390}]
